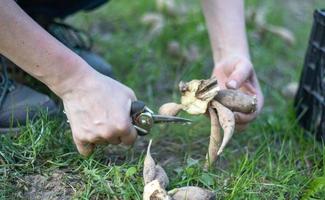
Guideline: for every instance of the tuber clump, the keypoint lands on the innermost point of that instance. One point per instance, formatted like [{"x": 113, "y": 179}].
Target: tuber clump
[
  {"x": 205, "y": 97},
  {"x": 156, "y": 182}
]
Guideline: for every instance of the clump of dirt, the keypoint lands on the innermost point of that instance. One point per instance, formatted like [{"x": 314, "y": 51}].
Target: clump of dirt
[{"x": 59, "y": 185}]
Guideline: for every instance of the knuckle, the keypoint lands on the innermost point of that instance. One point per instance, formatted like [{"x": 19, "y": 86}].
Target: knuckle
[
  {"x": 102, "y": 130},
  {"x": 107, "y": 134},
  {"x": 123, "y": 126},
  {"x": 131, "y": 93},
  {"x": 86, "y": 138},
  {"x": 81, "y": 137}
]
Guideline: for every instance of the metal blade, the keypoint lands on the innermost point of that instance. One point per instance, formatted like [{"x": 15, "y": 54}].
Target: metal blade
[{"x": 170, "y": 119}]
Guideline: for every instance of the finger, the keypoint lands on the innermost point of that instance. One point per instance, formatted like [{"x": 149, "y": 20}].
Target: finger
[
  {"x": 130, "y": 138},
  {"x": 242, "y": 118},
  {"x": 84, "y": 148},
  {"x": 241, "y": 73},
  {"x": 114, "y": 141}
]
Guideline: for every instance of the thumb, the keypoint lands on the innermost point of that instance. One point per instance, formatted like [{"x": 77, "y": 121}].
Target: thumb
[{"x": 239, "y": 76}]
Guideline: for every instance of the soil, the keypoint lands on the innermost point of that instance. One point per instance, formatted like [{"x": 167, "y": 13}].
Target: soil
[{"x": 59, "y": 185}]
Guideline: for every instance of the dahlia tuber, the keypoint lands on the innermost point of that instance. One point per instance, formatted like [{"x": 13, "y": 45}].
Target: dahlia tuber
[
  {"x": 215, "y": 139},
  {"x": 191, "y": 193},
  {"x": 227, "y": 122},
  {"x": 237, "y": 101},
  {"x": 171, "y": 109},
  {"x": 204, "y": 96},
  {"x": 156, "y": 187}
]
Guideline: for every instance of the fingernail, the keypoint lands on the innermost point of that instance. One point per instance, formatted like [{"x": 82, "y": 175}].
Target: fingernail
[{"x": 232, "y": 84}]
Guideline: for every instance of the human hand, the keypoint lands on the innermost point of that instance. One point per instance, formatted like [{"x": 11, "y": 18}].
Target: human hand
[
  {"x": 98, "y": 110},
  {"x": 237, "y": 72}
]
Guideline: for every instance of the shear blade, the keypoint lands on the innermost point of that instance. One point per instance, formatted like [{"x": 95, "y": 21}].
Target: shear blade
[{"x": 169, "y": 119}]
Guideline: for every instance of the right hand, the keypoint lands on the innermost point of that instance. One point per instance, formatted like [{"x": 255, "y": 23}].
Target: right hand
[{"x": 98, "y": 110}]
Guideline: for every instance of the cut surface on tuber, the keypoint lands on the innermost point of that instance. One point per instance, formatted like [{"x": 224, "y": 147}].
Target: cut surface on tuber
[
  {"x": 197, "y": 94},
  {"x": 154, "y": 191}
]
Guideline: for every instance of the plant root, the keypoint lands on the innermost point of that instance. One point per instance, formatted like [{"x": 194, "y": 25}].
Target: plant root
[
  {"x": 227, "y": 122},
  {"x": 215, "y": 139}
]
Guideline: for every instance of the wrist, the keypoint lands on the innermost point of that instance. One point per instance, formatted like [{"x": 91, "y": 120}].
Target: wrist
[
  {"x": 72, "y": 72},
  {"x": 230, "y": 51},
  {"x": 232, "y": 57}
]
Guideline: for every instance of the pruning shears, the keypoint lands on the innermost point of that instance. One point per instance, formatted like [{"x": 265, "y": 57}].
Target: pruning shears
[{"x": 144, "y": 118}]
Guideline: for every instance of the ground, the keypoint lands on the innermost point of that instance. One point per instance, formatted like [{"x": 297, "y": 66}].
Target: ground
[{"x": 272, "y": 159}]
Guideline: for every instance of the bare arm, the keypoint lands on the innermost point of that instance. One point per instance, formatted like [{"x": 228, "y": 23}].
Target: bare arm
[
  {"x": 226, "y": 26},
  {"x": 95, "y": 116},
  {"x": 233, "y": 68},
  {"x": 24, "y": 42}
]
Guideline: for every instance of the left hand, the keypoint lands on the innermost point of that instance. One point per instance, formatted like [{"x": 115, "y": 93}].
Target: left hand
[{"x": 237, "y": 72}]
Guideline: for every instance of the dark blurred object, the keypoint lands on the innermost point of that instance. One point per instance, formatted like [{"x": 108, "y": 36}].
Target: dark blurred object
[
  {"x": 310, "y": 99},
  {"x": 57, "y": 8}
]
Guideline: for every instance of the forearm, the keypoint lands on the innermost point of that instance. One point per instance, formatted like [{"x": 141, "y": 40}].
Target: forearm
[
  {"x": 29, "y": 46},
  {"x": 226, "y": 26}
]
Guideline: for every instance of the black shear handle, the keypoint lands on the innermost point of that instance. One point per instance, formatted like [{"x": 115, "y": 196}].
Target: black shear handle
[{"x": 137, "y": 107}]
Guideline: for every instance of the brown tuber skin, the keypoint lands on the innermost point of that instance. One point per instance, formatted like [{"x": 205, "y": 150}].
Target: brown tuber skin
[
  {"x": 227, "y": 122},
  {"x": 151, "y": 171},
  {"x": 191, "y": 193},
  {"x": 237, "y": 101},
  {"x": 155, "y": 179},
  {"x": 215, "y": 139},
  {"x": 204, "y": 96}
]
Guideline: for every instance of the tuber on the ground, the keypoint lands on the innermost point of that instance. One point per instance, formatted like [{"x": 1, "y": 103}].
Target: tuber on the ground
[
  {"x": 205, "y": 97},
  {"x": 191, "y": 193},
  {"x": 151, "y": 171},
  {"x": 156, "y": 182}
]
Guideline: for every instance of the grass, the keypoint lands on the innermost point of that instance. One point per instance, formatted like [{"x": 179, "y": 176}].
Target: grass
[{"x": 273, "y": 159}]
